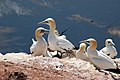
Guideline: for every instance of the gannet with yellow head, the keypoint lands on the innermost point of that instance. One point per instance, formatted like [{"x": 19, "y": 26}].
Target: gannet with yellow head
[
  {"x": 99, "y": 59},
  {"x": 39, "y": 47},
  {"x": 109, "y": 48},
  {"x": 81, "y": 52},
  {"x": 56, "y": 43}
]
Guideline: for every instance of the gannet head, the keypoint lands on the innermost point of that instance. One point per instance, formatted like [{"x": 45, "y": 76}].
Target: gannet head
[
  {"x": 40, "y": 31},
  {"x": 109, "y": 42},
  {"x": 50, "y": 22},
  {"x": 56, "y": 32},
  {"x": 82, "y": 47},
  {"x": 92, "y": 42}
]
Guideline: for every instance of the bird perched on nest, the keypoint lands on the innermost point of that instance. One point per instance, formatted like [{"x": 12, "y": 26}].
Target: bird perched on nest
[
  {"x": 99, "y": 59},
  {"x": 81, "y": 52},
  {"x": 39, "y": 47},
  {"x": 55, "y": 53},
  {"x": 57, "y": 43},
  {"x": 109, "y": 48}
]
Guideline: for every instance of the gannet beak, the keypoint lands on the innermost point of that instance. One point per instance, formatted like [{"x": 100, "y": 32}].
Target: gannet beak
[
  {"x": 84, "y": 41},
  {"x": 112, "y": 43},
  {"x": 45, "y": 31},
  {"x": 43, "y": 22}
]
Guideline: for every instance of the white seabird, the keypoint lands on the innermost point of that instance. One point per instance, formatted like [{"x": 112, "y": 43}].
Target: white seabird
[
  {"x": 57, "y": 43},
  {"x": 97, "y": 58},
  {"x": 81, "y": 52},
  {"x": 39, "y": 47},
  {"x": 56, "y": 53},
  {"x": 109, "y": 48},
  {"x": 61, "y": 36}
]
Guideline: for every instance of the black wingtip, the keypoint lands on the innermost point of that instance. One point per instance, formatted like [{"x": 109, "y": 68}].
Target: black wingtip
[
  {"x": 58, "y": 55},
  {"x": 114, "y": 70},
  {"x": 63, "y": 32}
]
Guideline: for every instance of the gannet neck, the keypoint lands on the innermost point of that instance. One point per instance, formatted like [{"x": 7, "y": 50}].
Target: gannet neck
[
  {"x": 93, "y": 44},
  {"x": 82, "y": 47},
  {"x": 38, "y": 34},
  {"x": 106, "y": 43},
  {"x": 52, "y": 25},
  {"x": 82, "y": 50}
]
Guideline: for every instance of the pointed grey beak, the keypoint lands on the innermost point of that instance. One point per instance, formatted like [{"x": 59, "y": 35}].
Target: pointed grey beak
[
  {"x": 112, "y": 43},
  {"x": 84, "y": 41},
  {"x": 45, "y": 31},
  {"x": 43, "y": 22}
]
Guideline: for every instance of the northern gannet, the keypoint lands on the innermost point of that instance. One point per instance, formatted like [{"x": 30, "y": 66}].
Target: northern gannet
[
  {"x": 56, "y": 53},
  {"x": 81, "y": 52},
  {"x": 39, "y": 47},
  {"x": 57, "y": 43},
  {"x": 109, "y": 48},
  {"x": 99, "y": 59},
  {"x": 60, "y": 35}
]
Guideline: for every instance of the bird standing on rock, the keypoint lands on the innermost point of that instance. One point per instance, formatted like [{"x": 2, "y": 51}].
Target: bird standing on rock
[
  {"x": 99, "y": 59},
  {"x": 57, "y": 43},
  {"x": 109, "y": 48},
  {"x": 81, "y": 52},
  {"x": 39, "y": 47}
]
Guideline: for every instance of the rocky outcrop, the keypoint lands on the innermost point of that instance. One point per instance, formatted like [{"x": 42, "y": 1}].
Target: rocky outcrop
[{"x": 44, "y": 68}]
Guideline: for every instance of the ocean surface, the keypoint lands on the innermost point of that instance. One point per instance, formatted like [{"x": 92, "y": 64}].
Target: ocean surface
[{"x": 99, "y": 19}]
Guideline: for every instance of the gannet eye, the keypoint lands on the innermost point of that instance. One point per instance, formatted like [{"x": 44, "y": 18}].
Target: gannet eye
[
  {"x": 42, "y": 31},
  {"x": 109, "y": 42},
  {"x": 46, "y": 22},
  {"x": 87, "y": 42}
]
